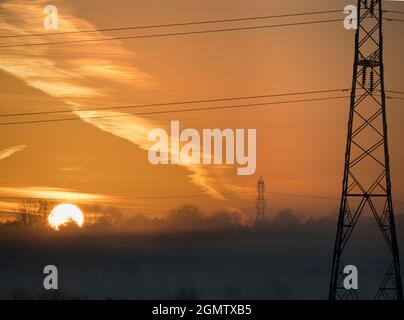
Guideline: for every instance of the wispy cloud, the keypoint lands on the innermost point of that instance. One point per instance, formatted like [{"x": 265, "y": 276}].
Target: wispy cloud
[
  {"x": 73, "y": 75},
  {"x": 73, "y": 169},
  {"x": 7, "y": 152},
  {"x": 136, "y": 130},
  {"x": 50, "y": 193}
]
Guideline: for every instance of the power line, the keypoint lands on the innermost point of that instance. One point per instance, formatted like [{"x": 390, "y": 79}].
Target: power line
[
  {"x": 395, "y": 98},
  {"x": 393, "y": 11},
  {"x": 299, "y": 195},
  {"x": 387, "y": 91},
  {"x": 394, "y": 20},
  {"x": 180, "y": 24},
  {"x": 171, "y": 34},
  {"x": 174, "y": 103},
  {"x": 199, "y": 195},
  {"x": 397, "y": 92},
  {"x": 230, "y": 194},
  {"x": 172, "y": 111},
  {"x": 180, "y": 110}
]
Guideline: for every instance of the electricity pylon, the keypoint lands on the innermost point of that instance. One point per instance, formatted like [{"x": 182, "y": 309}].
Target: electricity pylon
[
  {"x": 366, "y": 181},
  {"x": 260, "y": 201}
]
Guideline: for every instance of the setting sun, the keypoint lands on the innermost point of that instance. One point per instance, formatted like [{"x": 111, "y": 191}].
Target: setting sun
[{"x": 63, "y": 214}]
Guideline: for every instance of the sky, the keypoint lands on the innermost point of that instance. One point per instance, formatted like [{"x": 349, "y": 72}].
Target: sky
[{"x": 300, "y": 147}]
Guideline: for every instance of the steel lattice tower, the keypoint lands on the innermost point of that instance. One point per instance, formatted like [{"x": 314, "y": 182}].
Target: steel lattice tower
[
  {"x": 260, "y": 201},
  {"x": 366, "y": 181}
]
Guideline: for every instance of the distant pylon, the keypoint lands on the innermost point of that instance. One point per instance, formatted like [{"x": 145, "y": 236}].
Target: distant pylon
[
  {"x": 366, "y": 182},
  {"x": 260, "y": 201}
]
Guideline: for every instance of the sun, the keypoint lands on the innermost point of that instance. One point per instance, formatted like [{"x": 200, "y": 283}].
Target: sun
[{"x": 65, "y": 213}]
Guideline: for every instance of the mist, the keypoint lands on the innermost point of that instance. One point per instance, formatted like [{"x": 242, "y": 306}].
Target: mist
[{"x": 189, "y": 255}]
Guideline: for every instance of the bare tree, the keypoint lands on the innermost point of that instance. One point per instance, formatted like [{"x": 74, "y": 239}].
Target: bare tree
[{"x": 33, "y": 211}]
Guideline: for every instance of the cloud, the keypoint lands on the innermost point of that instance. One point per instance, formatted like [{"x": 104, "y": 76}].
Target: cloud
[
  {"x": 81, "y": 79},
  {"x": 74, "y": 169},
  {"x": 7, "y": 152},
  {"x": 136, "y": 130},
  {"x": 50, "y": 193},
  {"x": 44, "y": 68}
]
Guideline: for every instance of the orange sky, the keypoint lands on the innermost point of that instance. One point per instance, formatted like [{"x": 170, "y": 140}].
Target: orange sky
[{"x": 300, "y": 147}]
